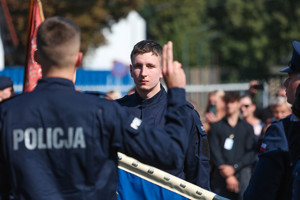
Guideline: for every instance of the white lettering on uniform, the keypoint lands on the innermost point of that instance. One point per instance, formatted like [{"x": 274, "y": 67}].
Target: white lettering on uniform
[
  {"x": 41, "y": 142},
  {"x": 18, "y": 136},
  {"x": 51, "y": 138},
  {"x": 79, "y": 138},
  {"x": 68, "y": 143},
  {"x": 30, "y": 137},
  {"x": 57, "y": 144}
]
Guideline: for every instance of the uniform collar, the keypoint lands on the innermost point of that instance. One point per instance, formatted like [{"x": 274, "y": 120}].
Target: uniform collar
[
  {"x": 225, "y": 119},
  {"x": 55, "y": 82},
  {"x": 153, "y": 99}
]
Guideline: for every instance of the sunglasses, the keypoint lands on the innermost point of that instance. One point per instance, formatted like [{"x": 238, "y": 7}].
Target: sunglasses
[{"x": 246, "y": 105}]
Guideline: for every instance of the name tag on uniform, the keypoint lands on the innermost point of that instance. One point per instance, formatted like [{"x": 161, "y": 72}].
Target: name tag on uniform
[{"x": 228, "y": 144}]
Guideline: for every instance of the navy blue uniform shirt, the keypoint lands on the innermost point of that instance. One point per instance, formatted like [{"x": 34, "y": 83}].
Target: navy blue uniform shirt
[
  {"x": 58, "y": 143},
  {"x": 195, "y": 168},
  {"x": 294, "y": 152}
]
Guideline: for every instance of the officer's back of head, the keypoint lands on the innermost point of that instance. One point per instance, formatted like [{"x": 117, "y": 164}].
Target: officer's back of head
[{"x": 58, "y": 44}]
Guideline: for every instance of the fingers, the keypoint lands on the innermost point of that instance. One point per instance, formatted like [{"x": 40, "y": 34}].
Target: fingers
[
  {"x": 164, "y": 59},
  {"x": 172, "y": 71},
  {"x": 168, "y": 65},
  {"x": 170, "y": 57}
]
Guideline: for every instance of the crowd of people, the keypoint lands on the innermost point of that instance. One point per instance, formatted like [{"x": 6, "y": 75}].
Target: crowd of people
[{"x": 63, "y": 144}]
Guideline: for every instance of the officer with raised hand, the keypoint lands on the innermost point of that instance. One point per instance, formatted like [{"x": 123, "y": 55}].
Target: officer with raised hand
[
  {"x": 58, "y": 143},
  {"x": 149, "y": 103}
]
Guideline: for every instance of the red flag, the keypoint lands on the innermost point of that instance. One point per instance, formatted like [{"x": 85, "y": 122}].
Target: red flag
[{"x": 33, "y": 71}]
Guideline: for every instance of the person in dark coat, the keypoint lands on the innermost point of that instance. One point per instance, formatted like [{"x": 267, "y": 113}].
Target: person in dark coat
[{"x": 233, "y": 150}]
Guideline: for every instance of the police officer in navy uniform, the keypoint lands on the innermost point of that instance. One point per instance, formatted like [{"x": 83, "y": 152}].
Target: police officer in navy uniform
[
  {"x": 271, "y": 178},
  {"x": 294, "y": 146},
  {"x": 58, "y": 143},
  {"x": 149, "y": 102}
]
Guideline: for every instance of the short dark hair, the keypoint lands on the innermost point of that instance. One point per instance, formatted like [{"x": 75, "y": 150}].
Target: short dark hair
[
  {"x": 146, "y": 46},
  {"x": 248, "y": 96},
  {"x": 231, "y": 97},
  {"x": 58, "y": 39}
]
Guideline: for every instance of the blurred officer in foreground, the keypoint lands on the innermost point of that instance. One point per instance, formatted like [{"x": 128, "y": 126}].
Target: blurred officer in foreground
[
  {"x": 57, "y": 143},
  {"x": 271, "y": 178},
  {"x": 294, "y": 147},
  {"x": 149, "y": 103},
  {"x": 6, "y": 88}
]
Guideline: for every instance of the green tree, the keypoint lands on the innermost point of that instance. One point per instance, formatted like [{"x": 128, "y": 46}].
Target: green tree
[
  {"x": 90, "y": 15},
  {"x": 177, "y": 20},
  {"x": 242, "y": 36},
  {"x": 255, "y": 34}
]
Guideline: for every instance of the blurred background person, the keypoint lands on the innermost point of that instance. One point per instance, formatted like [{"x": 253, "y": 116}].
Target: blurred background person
[
  {"x": 232, "y": 144},
  {"x": 247, "y": 112},
  {"x": 280, "y": 107},
  {"x": 263, "y": 113},
  {"x": 215, "y": 109},
  {"x": 281, "y": 92},
  {"x": 6, "y": 88},
  {"x": 113, "y": 94}
]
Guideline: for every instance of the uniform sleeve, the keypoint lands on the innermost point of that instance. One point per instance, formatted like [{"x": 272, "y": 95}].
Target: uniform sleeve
[
  {"x": 267, "y": 177},
  {"x": 158, "y": 146},
  {"x": 4, "y": 181},
  {"x": 215, "y": 145},
  {"x": 296, "y": 182},
  {"x": 197, "y": 160},
  {"x": 250, "y": 150},
  {"x": 275, "y": 138}
]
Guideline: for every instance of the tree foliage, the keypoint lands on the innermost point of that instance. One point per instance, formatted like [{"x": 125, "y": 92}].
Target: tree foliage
[
  {"x": 248, "y": 36},
  {"x": 90, "y": 15},
  {"x": 177, "y": 20}
]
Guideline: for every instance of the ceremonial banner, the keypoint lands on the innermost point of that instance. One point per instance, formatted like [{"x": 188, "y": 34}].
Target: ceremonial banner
[
  {"x": 33, "y": 71},
  {"x": 140, "y": 181}
]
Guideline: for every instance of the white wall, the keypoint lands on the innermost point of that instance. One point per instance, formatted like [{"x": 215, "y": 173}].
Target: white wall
[{"x": 120, "y": 41}]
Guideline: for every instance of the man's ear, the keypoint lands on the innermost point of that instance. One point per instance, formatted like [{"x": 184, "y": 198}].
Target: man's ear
[
  {"x": 161, "y": 75},
  {"x": 79, "y": 59},
  {"x": 130, "y": 67},
  {"x": 36, "y": 56}
]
